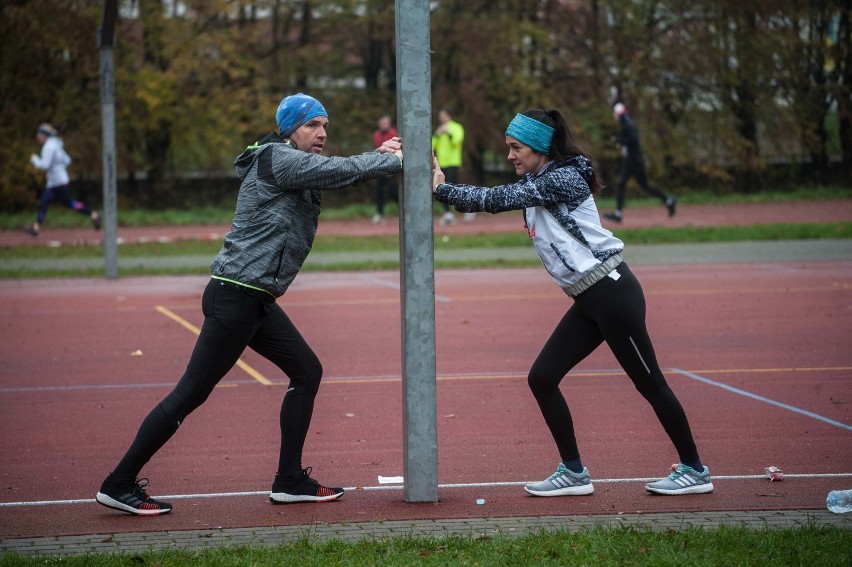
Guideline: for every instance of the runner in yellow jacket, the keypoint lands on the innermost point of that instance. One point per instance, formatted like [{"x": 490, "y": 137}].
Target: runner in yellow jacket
[{"x": 447, "y": 144}]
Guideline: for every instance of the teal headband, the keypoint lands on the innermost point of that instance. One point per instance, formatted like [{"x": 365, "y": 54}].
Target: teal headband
[{"x": 530, "y": 132}]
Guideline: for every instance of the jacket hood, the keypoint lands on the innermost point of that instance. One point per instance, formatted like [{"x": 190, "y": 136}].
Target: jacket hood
[
  {"x": 54, "y": 141},
  {"x": 581, "y": 164},
  {"x": 245, "y": 159}
]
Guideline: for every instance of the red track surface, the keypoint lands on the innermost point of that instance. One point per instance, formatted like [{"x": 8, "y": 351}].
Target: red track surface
[{"x": 72, "y": 396}]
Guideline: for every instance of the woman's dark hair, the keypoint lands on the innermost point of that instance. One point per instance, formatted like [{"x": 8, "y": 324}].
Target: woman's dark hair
[{"x": 563, "y": 146}]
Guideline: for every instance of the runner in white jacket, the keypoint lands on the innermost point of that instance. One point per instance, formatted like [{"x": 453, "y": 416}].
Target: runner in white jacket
[
  {"x": 54, "y": 160},
  {"x": 556, "y": 193}
]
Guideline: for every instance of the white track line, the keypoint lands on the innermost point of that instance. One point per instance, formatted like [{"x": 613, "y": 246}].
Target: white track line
[
  {"x": 761, "y": 398},
  {"x": 400, "y": 486}
]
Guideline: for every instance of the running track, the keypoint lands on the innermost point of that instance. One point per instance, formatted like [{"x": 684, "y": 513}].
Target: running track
[{"x": 758, "y": 354}]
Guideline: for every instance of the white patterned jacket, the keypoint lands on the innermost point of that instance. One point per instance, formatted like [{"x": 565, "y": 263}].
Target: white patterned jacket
[{"x": 561, "y": 218}]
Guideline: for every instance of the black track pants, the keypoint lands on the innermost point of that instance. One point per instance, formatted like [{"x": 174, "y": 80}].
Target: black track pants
[
  {"x": 234, "y": 320},
  {"x": 634, "y": 168},
  {"x": 612, "y": 311}
]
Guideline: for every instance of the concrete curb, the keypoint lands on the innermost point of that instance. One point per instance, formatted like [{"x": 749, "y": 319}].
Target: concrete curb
[{"x": 135, "y": 542}]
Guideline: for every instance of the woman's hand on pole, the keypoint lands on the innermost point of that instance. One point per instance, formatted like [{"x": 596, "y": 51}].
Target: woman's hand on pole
[{"x": 437, "y": 174}]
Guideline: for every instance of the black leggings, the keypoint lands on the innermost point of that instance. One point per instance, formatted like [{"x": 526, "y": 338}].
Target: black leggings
[
  {"x": 612, "y": 311},
  {"x": 234, "y": 320},
  {"x": 634, "y": 168},
  {"x": 386, "y": 183},
  {"x": 63, "y": 195}
]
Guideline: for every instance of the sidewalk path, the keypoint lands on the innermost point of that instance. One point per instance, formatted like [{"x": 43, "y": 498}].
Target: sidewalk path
[{"x": 635, "y": 254}]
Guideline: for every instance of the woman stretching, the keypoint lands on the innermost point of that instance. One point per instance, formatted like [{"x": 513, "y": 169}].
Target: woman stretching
[{"x": 555, "y": 193}]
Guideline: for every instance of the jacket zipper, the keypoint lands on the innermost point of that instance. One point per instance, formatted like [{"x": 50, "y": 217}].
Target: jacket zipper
[{"x": 278, "y": 267}]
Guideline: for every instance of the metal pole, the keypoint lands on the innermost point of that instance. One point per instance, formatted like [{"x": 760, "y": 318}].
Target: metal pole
[
  {"x": 110, "y": 217},
  {"x": 417, "y": 275}
]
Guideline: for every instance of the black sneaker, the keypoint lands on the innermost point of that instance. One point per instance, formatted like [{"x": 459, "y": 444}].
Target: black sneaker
[
  {"x": 131, "y": 499},
  {"x": 613, "y": 216},
  {"x": 302, "y": 489},
  {"x": 30, "y": 229},
  {"x": 671, "y": 205}
]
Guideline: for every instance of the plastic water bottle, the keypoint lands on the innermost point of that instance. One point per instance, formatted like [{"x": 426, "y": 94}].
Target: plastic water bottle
[{"x": 839, "y": 501}]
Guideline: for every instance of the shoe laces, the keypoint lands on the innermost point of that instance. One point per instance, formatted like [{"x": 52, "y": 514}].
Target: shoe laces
[
  {"x": 560, "y": 471},
  {"x": 139, "y": 489},
  {"x": 306, "y": 472},
  {"x": 679, "y": 470}
]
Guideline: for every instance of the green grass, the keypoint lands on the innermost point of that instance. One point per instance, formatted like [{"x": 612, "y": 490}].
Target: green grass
[
  {"x": 59, "y": 217},
  {"x": 698, "y": 547}
]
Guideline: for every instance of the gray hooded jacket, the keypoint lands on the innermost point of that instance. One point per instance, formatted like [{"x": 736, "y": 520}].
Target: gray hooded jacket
[{"x": 278, "y": 207}]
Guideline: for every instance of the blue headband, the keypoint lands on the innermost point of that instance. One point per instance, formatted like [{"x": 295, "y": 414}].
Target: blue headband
[
  {"x": 295, "y": 110},
  {"x": 530, "y": 132}
]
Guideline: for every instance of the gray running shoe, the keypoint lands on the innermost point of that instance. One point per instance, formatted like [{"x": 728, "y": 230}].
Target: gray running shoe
[
  {"x": 563, "y": 483},
  {"x": 683, "y": 480}
]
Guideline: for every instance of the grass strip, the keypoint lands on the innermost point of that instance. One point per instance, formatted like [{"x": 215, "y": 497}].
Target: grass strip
[{"x": 599, "y": 545}]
